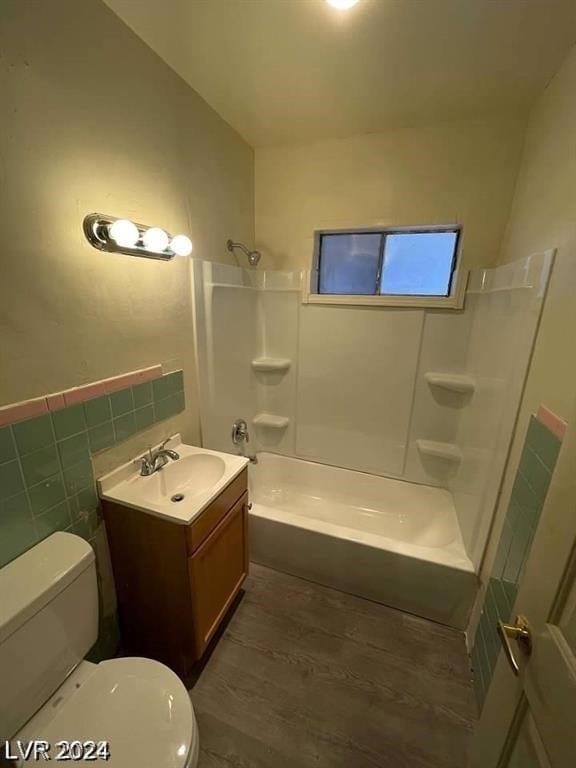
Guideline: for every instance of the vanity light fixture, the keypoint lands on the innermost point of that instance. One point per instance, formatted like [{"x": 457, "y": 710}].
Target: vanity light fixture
[
  {"x": 107, "y": 233},
  {"x": 155, "y": 239},
  {"x": 124, "y": 232},
  {"x": 181, "y": 245}
]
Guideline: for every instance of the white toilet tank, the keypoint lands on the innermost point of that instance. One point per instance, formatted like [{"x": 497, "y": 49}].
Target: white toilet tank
[{"x": 48, "y": 622}]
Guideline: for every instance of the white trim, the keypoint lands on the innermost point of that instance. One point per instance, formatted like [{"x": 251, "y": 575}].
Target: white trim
[{"x": 455, "y": 301}]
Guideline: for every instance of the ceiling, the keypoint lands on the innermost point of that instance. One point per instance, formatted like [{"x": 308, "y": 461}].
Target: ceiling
[{"x": 288, "y": 71}]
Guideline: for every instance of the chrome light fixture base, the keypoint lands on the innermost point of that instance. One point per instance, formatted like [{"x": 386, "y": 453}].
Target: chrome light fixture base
[{"x": 96, "y": 228}]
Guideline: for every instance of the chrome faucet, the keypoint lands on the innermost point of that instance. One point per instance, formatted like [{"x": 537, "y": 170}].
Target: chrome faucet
[
  {"x": 240, "y": 436},
  {"x": 240, "y": 432},
  {"x": 153, "y": 461}
]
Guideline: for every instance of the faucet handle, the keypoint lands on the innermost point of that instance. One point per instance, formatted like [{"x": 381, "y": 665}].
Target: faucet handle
[
  {"x": 146, "y": 464},
  {"x": 144, "y": 458},
  {"x": 240, "y": 432}
]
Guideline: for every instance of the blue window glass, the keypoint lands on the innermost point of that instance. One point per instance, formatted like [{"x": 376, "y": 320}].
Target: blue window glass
[
  {"x": 349, "y": 263},
  {"x": 406, "y": 263},
  {"x": 418, "y": 264}
]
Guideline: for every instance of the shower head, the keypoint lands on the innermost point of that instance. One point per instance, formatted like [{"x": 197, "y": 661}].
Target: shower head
[{"x": 253, "y": 256}]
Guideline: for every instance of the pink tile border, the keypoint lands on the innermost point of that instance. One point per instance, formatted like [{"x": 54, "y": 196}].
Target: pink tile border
[
  {"x": 113, "y": 384},
  {"x": 555, "y": 424},
  {"x": 85, "y": 392},
  {"x": 27, "y": 409},
  {"x": 56, "y": 402},
  {"x": 147, "y": 374}
]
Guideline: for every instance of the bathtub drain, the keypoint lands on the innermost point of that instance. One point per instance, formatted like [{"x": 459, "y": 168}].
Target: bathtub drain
[{"x": 177, "y": 497}]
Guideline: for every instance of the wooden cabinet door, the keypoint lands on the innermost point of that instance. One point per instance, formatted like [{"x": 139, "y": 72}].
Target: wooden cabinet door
[{"x": 217, "y": 570}]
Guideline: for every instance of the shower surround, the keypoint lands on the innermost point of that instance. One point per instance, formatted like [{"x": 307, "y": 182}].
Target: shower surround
[{"x": 417, "y": 405}]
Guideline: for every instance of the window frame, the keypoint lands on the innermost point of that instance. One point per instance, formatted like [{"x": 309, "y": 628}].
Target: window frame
[{"x": 454, "y": 300}]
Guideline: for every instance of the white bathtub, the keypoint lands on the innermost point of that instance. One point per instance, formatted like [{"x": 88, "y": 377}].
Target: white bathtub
[{"x": 386, "y": 540}]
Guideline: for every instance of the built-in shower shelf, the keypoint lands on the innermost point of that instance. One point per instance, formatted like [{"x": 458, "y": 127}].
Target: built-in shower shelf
[
  {"x": 447, "y": 451},
  {"x": 271, "y": 364},
  {"x": 455, "y": 382},
  {"x": 271, "y": 421}
]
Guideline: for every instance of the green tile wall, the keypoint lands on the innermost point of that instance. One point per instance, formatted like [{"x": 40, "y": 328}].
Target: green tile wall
[
  {"x": 46, "y": 478},
  {"x": 539, "y": 455}
]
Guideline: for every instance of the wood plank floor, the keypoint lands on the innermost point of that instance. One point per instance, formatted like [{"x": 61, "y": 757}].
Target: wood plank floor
[{"x": 307, "y": 676}]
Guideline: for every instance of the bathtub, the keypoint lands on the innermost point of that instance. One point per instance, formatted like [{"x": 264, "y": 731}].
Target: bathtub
[{"x": 390, "y": 541}]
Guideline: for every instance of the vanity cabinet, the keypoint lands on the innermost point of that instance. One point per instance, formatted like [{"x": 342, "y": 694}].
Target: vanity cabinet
[
  {"x": 217, "y": 569},
  {"x": 175, "y": 582}
]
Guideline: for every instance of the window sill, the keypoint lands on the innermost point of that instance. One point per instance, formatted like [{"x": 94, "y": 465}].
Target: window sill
[{"x": 409, "y": 302}]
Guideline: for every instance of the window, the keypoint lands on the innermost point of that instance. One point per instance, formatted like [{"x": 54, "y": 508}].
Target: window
[{"x": 394, "y": 266}]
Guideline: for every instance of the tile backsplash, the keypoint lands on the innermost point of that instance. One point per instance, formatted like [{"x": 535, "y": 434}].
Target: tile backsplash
[
  {"x": 537, "y": 463},
  {"x": 47, "y": 482}
]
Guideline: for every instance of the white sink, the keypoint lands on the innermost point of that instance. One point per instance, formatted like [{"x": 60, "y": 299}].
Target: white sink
[
  {"x": 181, "y": 489},
  {"x": 188, "y": 476}
]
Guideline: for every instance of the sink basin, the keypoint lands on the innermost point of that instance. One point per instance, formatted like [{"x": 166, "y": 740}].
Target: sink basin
[
  {"x": 187, "y": 476},
  {"x": 181, "y": 489}
]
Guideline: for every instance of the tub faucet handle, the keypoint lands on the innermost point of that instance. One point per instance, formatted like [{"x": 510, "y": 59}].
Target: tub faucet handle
[{"x": 240, "y": 432}]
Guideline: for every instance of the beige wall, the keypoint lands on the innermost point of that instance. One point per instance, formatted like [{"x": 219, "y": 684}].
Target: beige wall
[
  {"x": 93, "y": 120},
  {"x": 544, "y": 216},
  {"x": 452, "y": 172}
]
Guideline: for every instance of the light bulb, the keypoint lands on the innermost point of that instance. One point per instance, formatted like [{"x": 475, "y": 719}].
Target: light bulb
[
  {"x": 181, "y": 245},
  {"x": 124, "y": 232},
  {"x": 155, "y": 239},
  {"x": 342, "y": 5}
]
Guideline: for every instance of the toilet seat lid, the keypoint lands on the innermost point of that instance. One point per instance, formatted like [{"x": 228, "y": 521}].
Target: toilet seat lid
[{"x": 139, "y": 706}]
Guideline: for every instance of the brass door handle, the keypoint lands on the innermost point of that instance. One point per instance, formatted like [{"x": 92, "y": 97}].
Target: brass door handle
[{"x": 519, "y": 631}]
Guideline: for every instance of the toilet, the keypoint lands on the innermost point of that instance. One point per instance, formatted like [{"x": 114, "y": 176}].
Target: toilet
[{"x": 48, "y": 622}]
